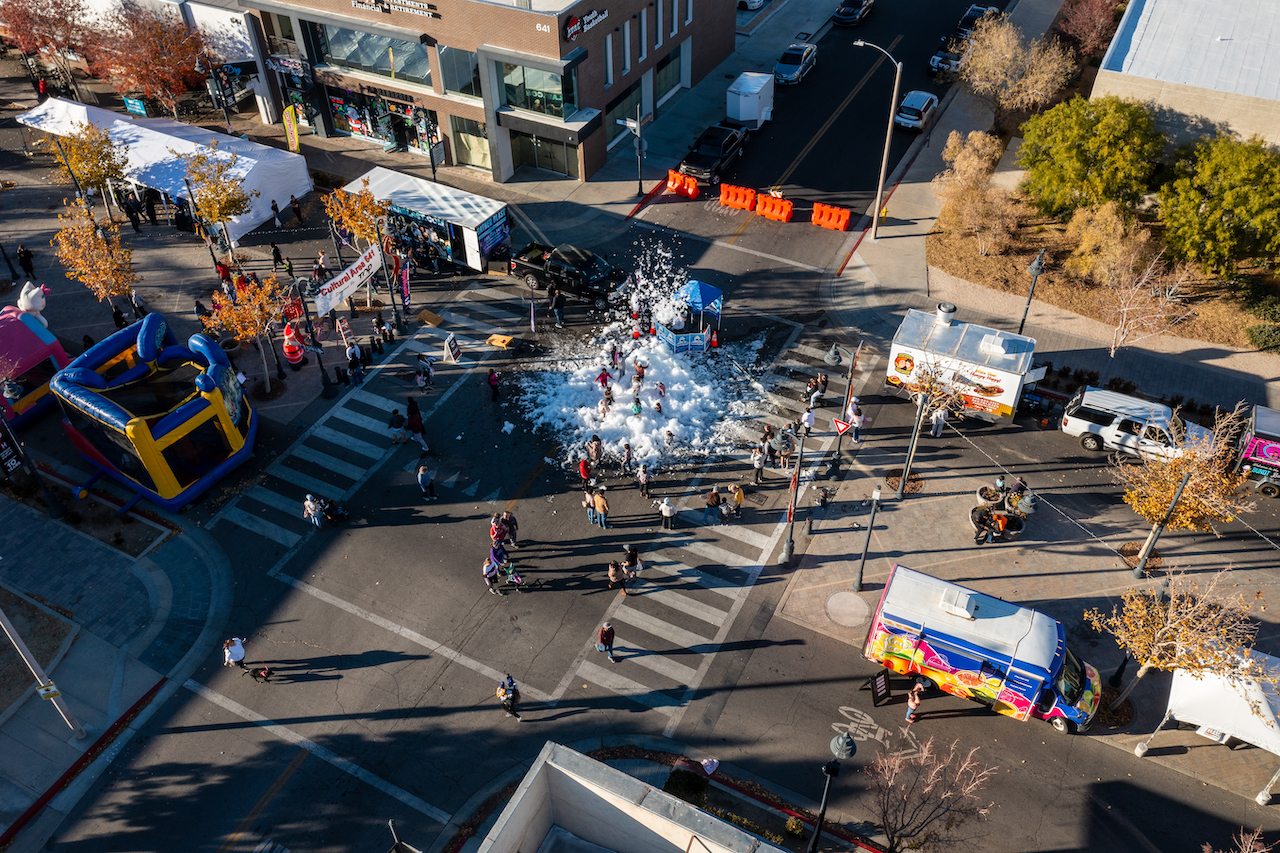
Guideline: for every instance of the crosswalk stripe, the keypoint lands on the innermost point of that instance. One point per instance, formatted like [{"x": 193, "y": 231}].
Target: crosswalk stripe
[
  {"x": 463, "y": 320},
  {"x": 633, "y": 690},
  {"x": 659, "y": 628},
  {"x": 374, "y": 400},
  {"x": 500, "y": 315},
  {"x": 799, "y": 366},
  {"x": 788, "y": 382},
  {"x": 329, "y": 463},
  {"x": 275, "y": 500},
  {"x": 261, "y": 526},
  {"x": 356, "y": 419},
  {"x": 492, "y": 293},
  {"x": 346, "y": 442},
  {"x": 674, "y": 569},
  {"x": 812, "y": 352},
  {"x": 716, "y": 555},
  {"x": 683, "y": 603},
  {"x": 734, "y": 531},
  {"x": 653, "y": 661},
  {"x": 464, "y": 340},
  {"x": 310, "y": 484}
]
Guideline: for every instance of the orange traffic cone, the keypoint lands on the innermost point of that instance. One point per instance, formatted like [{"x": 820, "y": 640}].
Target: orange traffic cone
[
  {"x": 714, "y": 342},
  {"x": 653, "y": 330},
  {"x": 636, "y": 334}
]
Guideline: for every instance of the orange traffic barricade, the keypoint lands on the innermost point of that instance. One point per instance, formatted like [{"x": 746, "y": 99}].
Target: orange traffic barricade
[
  {"x": 739, "y": 198},
  {"x": 771, "y": 207},
  {"x": 675, "y": 181},
  {"x": 691, "y": 186},
  {"x": 828, "y": 216}
]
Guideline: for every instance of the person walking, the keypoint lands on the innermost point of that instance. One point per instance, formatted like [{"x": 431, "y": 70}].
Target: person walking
[
  {"x": 490, "y": 569},
  {"x": 277, "y": 259},
  {"x": 233, "y": 653},
  {"x": 584, "y": 470},
  {"x": 628, "y": 458},
  {"x": 275, "y": 214},
  {"x": 643, "y": 478},
  {"x": 602, "y": 509},
  {"x": 739, "y": 495},
  {"x": 619, "y": 576},
  {"x": 139, "y": 303},
  {"x": 604, "y": 641},
  {"x": 507, "y": 697},
  {"x": 604, "y": 378},
  {"x": 416, "y": 429},
  {"x": 856, "y": 420},
  {"x": 297, "y": 208},
  {"x": 668, "y": 512},
  {"x": 913, "y": 702},
  {"x": 757, "y": 465},
  {"x": 713, "y": 504},
  {"x": 513, "y": 528},
  {"x": 807, "y": 420},
  {"x": 117, "y": 317},
  {"x": 134, "y": 213},
  {"x": 589, "y": 501},
  {"x": 322, "y": 261},
  {"x": 26, "y": 260},
  {"x": 631, "y": 560},
  {"x": 312, "y": 512},
  {"x": 595, "y": 451},
  {"x": 557, "y": 308},
  {"x": 426, "y": 482},
  {"x": 938, "y": 421},
  {"x": 493, "y": 383},
  {"x": 397, "y": 424}
]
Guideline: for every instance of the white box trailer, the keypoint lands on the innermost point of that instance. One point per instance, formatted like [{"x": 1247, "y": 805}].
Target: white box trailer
[
  {"x": 987, "y": 366},
  {"x": 750, "y": 99}
]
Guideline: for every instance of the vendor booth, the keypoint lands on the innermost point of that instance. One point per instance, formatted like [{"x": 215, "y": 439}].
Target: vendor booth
[
  {"x": 683, "y": 333},
  {"x": 165, "y": 420},
  {"x": 31, "y": 355},
  {"x": 275, "y": 174},
  {"x": 463, "y": 227},
  {"x": 1226, "y": 707}
]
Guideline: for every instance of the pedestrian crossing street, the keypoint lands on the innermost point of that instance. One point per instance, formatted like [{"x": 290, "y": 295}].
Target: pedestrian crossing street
[{"x": 337, "y": 454}]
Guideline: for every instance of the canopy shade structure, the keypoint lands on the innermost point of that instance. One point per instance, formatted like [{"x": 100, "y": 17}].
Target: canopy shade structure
[
  {"x": 702, "y": 298},
  {"x": 275, "y": 174}
]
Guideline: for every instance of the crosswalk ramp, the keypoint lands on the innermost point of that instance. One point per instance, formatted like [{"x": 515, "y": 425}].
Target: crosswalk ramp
[{"x": 341, "y": 450}]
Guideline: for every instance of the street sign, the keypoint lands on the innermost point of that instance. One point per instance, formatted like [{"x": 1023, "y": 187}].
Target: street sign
[
  {"x": 452, "y": 352},
  {"x": 841, "y": 426},
  {"x": 641, "y": 146},
  {"x": 48, "y": 691},
  {"x": 437, "y": 154},
  {"x": 10, "y": 457},
  {"x": 881, "y": 690}
]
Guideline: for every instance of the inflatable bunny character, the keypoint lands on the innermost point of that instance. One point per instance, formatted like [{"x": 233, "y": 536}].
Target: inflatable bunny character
[{"x": 32, "y": 300}]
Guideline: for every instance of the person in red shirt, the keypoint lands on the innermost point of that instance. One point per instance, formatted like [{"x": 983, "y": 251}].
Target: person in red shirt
[{"x": 584, "y": 470}]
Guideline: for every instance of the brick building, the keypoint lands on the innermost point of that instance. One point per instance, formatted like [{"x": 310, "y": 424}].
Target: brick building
[{"x": 536, "y": 83}]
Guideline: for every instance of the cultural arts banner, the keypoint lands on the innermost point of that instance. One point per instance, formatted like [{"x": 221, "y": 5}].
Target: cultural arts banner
[{"x": 347, "y": 282}]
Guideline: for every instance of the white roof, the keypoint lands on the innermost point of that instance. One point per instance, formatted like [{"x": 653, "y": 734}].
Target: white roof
[
  {"x": 427, "y": 197},
  {"x": 274, "y": 173},
  {"x": 963, "y": 341},
  {"x": 1227, "y": 704},
  {"x": 1018, "y": 633},
  {"x": 1224, "y": 47},
  {"x": 750, "y": 83}
]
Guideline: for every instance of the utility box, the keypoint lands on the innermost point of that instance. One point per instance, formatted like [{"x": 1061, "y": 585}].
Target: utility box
[{"x": 750, "y": 99}]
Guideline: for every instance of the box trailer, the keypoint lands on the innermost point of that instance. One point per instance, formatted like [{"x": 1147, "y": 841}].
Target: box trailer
[
  {"x": 1259, "y": 451},
  {"x": 749, "y": 100},
  {"x": 979, "y": 647}
]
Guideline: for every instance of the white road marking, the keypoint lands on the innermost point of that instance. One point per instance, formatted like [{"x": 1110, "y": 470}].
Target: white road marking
[
  {"x": 347, "y": 442},
  {"x": 262, "y": 527},
  {"x": 625, "y": 687},
  {"x": 658, "y": 628},
  {"x": 327, "y": 462}
]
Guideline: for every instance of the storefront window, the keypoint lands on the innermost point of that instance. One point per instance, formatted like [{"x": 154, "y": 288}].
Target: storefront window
[
  {"x": 470, "y": 142},
  {"x": 400, "y": 60},
  {"x": 460, "y": 70},
  {"x": 539, "y": 91},
  {"x": 623, "y": 106},
  {"x": 529, "y": 150},
  {"x": 382, "y": 120},
  {"x": 666, "y": 74}
]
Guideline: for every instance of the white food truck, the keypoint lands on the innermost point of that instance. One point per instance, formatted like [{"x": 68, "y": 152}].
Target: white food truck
[{"x": 987, "y": 366}]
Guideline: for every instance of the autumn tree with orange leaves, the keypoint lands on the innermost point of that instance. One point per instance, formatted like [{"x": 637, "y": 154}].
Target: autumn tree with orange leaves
[
  {"x": 91, "y": 157},
  {"x": 217, "y": 186},
  {"x": 249, "y": 316},
  {"x": 93, "y": 253},
  {"x": 358, "y": 213},
  {"x": 150, "y": 50},
  {"x": 54, "y": 29}
]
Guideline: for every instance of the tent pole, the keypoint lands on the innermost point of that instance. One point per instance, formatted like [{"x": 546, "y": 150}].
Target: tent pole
[
  {"x": 1141, "y": 749},
  {"x": 1264, "y": 796}
]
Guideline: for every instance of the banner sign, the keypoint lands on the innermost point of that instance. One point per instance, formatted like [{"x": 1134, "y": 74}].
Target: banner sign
[
  {"x": 404, "y": 288},
  {"x": 332, "y": 292},
  {"x": 291, "y": 127}
]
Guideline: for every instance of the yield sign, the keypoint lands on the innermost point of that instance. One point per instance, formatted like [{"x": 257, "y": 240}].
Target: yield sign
[{"x": 841, "y": 426}]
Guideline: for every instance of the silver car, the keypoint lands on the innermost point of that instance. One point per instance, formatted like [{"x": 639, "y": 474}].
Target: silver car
[
  {"x": 916, "y": 111},
  {"x": 796, "y": 61}
]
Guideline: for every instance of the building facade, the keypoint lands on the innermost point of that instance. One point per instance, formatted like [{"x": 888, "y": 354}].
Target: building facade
[{"x": 489, "y": 85}]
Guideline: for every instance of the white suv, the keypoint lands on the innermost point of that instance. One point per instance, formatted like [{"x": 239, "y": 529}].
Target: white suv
[{"x": 1105, "y": 420}]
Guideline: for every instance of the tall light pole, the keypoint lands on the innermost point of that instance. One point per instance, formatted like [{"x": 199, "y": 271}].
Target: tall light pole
[
  {"x": 789, "y": 547},
  {"x": 888, "y": 137},
  {"x": 866, "y": 544},
  {"x": 392, "y": 287},
  {"x": 833, "y": 358},
  {"x": 46, "y": 685},
  {"x": 842, "y": 747},
  {"x": 1037, "y": 267},
  {"x": 220, "y": 97}
]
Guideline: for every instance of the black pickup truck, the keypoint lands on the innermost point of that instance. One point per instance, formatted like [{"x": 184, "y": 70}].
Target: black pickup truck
[
  {"x": 714, "y": 152},
  {"x": 576, "y": 272}
]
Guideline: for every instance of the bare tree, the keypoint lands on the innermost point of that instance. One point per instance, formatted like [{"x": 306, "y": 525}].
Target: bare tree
[
  {"x": 1144, "y": 301},
  {"x": 1207, "y": 631},
  {"x": 1091, "y": 23},
  {"x": 1009, "y": 72},
  {"x": 969, "y": 204},
  {"x": 925, "y": 798},
  {"x": 1245, "y": 842}
]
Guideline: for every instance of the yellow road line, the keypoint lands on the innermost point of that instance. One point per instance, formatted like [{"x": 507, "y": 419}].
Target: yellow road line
[
  {"x": 266, "y": 798},
  {"x": 524, "y": 487}
]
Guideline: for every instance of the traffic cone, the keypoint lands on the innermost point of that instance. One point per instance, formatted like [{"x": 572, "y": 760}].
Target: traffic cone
[
  {"x": 653, "y": 330},
  {"x": 714, "y": 341},
  {"x": 636, "y": 334}
]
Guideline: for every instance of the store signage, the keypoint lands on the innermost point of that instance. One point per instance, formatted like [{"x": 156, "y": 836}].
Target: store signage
[
  {"x": 576, "y": 26},
  {"x": 409, "y": 7},
  {"x": 291, "y": 127},
  {"x": 136, "y": 106},
  {"x": 347, "y": 282}
]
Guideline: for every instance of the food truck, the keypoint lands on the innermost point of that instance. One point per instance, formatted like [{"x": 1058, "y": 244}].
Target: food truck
[
  {"x": 979, "y": 647},
  {"x": 1259, "y": 447},
  {"x": 988, "y": 367}
]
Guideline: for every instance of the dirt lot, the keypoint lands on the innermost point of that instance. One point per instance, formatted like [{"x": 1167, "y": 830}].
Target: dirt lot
[{"x": 40, "y": 630}]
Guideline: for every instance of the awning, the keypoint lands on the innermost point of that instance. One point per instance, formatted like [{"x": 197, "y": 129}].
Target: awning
[
  {"x": 1246, "y": 710},
  {"x": 428, "y": 198},
  {"x": 274, "y": 173},
  {"x": 701, "y": 297}
]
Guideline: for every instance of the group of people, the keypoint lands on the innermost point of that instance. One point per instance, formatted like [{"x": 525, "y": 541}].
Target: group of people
[
  {"x": 497, "y": 567},
  {"x": 723, "y": 508},
  {"x": 606, "y": 379}
]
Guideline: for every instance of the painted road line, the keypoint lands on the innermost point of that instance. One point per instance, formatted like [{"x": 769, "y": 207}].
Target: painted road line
[
  {"x": 375, "y": 400},
  {"x": 812, "y": 352},
  {"x": 659, "y": 628},
  {"x": 327, "y": 462},
  {"x": 718, "y": 556},
  {"x": 275, "y": 500},
  {"x": 343, "y": 764},
  {"x": 479, "y": 326},
  {"x": 500, "y": 315},
  {"x": 310, "y": 484},
  {"x": 693, "y": 518},
  {"x": 356, "y": 419},
  {"x": 626, "y": 688},
  {"x": 653, "y": 661},
  {"x": 680, "y": 570},
  {"x": 266, "y": 798},
  {"x": 347, "y": 442},
  {"x": 262, "y": 527},
  {"x": 407, "y": 633},
  {"x": 669, "y": 598}
]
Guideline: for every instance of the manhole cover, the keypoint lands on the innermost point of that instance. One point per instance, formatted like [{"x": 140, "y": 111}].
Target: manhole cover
[{"x": 848, "y": 609}]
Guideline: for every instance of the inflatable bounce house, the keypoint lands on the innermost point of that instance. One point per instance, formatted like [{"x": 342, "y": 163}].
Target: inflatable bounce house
[
  {"x": 29, "y": 356},
  {"x": 165, "y": 420}
]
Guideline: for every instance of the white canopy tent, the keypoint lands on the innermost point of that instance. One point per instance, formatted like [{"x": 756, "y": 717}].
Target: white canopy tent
[
  {"x": 1224, "y": 706},
  {"x": 275, "y": 174}
]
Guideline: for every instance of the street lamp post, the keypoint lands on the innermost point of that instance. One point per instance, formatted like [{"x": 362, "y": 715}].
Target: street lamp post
[
  {"x": 327, "y": 388},
  {"x": 220, "y": 91},
  {"x": 866, "y": 543},
  {"x": 833, "y": 358},
  {"x": 842, "y": 748},
  {"x": 789, "y": 547},
  {"x": 1037, "y": 267},
  {"x": 888, "y": 137},
  {"x": 401, "y": 328},
  {"x": 911, "y": 449}
]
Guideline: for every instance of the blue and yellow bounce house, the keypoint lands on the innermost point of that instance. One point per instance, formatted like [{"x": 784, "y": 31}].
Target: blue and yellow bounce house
[{"x": 165, "y": 420}]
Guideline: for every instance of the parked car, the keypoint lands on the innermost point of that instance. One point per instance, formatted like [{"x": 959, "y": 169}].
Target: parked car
[
  {"x": 916, "y": 110},
  {"x": 971, "y": 17},
  {"x": 795, "y": 62},
  {"x": 950, "y": 56},
  {"x": 851, "y": 12},
  {"x": 1105, "y": 420},
  {"x": 750, "y": 5},
  {"x": 714, "y": 151},
  {"x": 576, "y": 272}
]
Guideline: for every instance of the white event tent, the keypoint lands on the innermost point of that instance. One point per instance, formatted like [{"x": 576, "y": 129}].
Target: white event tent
[{"x": 274, "y": 173}]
